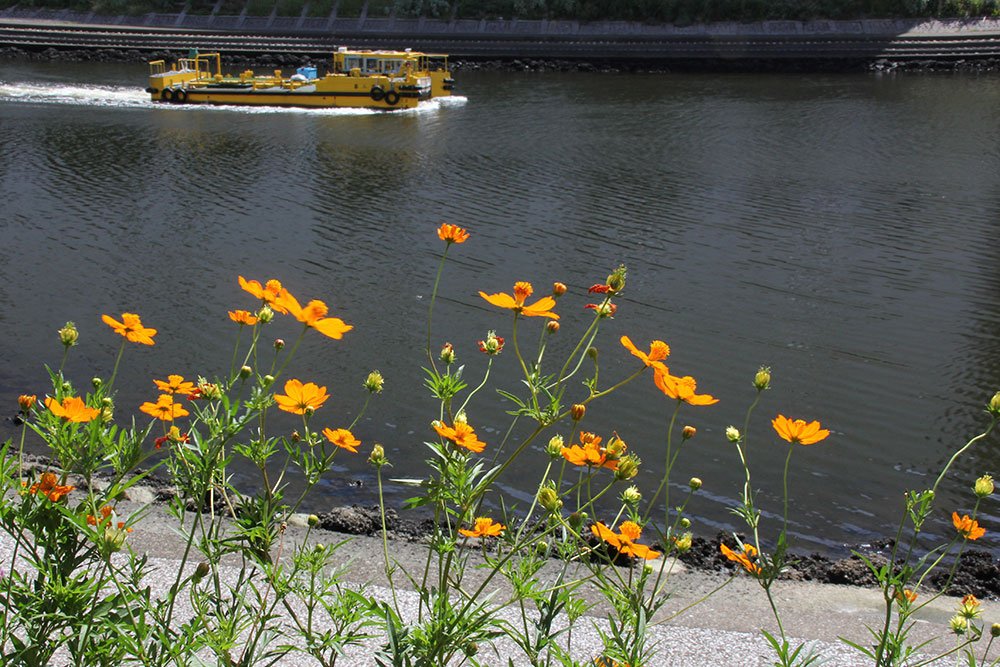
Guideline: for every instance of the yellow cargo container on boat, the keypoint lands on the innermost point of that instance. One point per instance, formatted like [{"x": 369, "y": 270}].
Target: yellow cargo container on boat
[{"x": 372, "y": 79}]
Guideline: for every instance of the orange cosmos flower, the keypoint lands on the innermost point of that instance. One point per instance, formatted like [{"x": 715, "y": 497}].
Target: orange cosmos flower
[
  {"x": 49, "y": 487},
  {"x": 72, "y": 409},
  {"x": 175, "y": 384},
  {"x": 301, "y": 397},
  {"x": 522, "y": 291},
  {"x": 268, "y": 293},
  {"x": 452, "y": 233},
  {"x": 313, "y": 316},
  {"x": 966, "y": 527},
  {"x": 242, "y": 317},
  {"x": 798, "y": 431},
  {"x": 591, "y": 454},
  {"x": 105, "y": 515},
  {"x": 681, "y": 388},
  {"x": 26, "y": 402},
  {"x": 343, "y": 439},
  {"x": 657, "y": 350},
  {"x": 743, "y": 558},
  {"x": 131, "y": 327},
  {"x": 484, "y": 527},
  {"x": 164, "y": 408},
  {"x": 462, "y": 435},
  {"x": 625, "y": 540}
]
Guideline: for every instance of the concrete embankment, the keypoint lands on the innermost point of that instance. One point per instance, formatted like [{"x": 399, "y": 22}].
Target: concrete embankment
[{"x": 792, "y": 42}]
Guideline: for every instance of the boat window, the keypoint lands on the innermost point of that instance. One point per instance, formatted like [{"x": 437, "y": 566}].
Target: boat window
[
  {"x": 390, "y": 66},
  {"x": 351, "y": 62},
  {"x": 371, "y": 64}
]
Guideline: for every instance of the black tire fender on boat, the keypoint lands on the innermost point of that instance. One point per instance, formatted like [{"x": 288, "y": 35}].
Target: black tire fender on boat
[
  {"x": 377, "y": 93},
  {"x": 167, "y": 95},
  {"x": 181, "y": 96},
  {"x": 391, "y": 97}
]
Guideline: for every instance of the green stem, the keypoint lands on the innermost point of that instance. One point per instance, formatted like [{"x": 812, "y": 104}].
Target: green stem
[
  {"x": 430, "y": 309},
  {"x": 784, "y": 479},
  {"x": 115, "y": 372}
]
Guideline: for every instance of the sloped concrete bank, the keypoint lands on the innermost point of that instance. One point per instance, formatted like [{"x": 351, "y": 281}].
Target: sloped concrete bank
[{"x": 518, "y": 44}]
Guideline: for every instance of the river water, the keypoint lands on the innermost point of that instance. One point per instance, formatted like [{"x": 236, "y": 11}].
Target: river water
[{"x": 840, "y": 228}]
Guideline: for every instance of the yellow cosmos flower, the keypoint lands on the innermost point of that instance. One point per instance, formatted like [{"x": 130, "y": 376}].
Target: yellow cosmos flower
[
  {"x": 49, "y": 487},
  {"x": 313, "y": 316},
  {"x": 452, "y": 233},
  {"x": 343, "y": 439},
  {"x": 681, "y": 388},
  {"x": 743, "y": 558},
  {"x": 131, "y": 327},
  {"x": 299, "y": 397},
  {"x": 242, "y": 317},
  {"x": 267, "y": 293},
  {"x": 72, "y": 409},
  {"x": 625, "y": 541},
  {"x": 175, "y": 384},
  {"x": 164, "y": 408},
  {"x": 798, "y": 431},
  {"x": 484, "y": 527},
  {"x": 462, "y": 435},
  {"x": 522, "y": 290},
  {"x": 657, "y": 350},
  {"x": 966, "y": 527}
]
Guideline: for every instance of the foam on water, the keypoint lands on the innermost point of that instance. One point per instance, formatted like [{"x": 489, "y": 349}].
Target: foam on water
[{"x": 129, "y": 97}]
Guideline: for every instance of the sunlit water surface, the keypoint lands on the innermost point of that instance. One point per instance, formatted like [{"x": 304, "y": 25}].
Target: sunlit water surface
[{"x": 841, "y": 229}]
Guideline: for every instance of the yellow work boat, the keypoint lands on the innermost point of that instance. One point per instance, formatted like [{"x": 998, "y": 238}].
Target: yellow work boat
[{"x": 368, "y": 79}]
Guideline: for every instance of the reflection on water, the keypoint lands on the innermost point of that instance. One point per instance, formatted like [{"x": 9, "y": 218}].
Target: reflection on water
[{"x": 841, "y": 229}]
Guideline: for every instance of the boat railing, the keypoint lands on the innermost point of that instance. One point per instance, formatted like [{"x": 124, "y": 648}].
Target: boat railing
[{"x": 157, "y": 67}]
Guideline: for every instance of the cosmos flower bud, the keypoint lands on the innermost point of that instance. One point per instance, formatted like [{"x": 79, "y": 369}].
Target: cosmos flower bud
[
  {"x": 245, "y": 372},
  {"x": 461, "y": 417},
  {"x": 577, "y": 411},
  {"x": 694, "y": 483},
  {"x": 279, "y": 343},
  {"x": 96, "y": 382},
  {"x": 267, "y": 380},
  {"x": 959, "y": 625},
  {"x": 492, "y": 345},
  {"x": 616, "y": 281},
  {"x": 26, "y": 402},
  {"x": 295, "y": 437},
  {"x": 201, "y": 571},
  {"x": 108, "y": 402},
  {"x": 592, "y": 352},
  {"x": 309, "y": 411},
  {"x": 994, "y": 406},
  {"x": 688, "y": 432},
  {"x": 628, "y": 467},
  {"x": 107, "y": 414},
  {"x": 616, "y": 448},
  {"x": 683, "y": 543},
  {"x": 685, "y": 522},
  {"x": 374, "y": 382},
  {"x": 68, "y": 335},
  {"x": 732, "y": 434},
  {"x": 312, "y": 521},
  {"x": 377, "y": 457},
  {"x": 984, "y": 486},
  {"x": 448, "y": 353},
  {"x": 265, "y": 314},
  {"x": 995, "y": 630},
  {"x": 555, "y": 446},
  {"x": 558, "y": 289},
  {"x": 552, "y": 326},
  {"x": 575, "y": 521},
  {"x": 631, "y": 495},
  {"x": 762, "y": 380},
  {"x": 549, "y": 499}
]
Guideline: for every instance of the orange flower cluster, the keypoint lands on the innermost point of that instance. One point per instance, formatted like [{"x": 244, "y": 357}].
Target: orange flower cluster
[
  {"x": 343, "y": 439},
  {"x": 744, "y": 558},
  {"x": 313, "y": 315},
  {"x": 484, "y": 528},
  {"x": 105, "y": 517},
  {"x": 49, "y": 487},
  {"x": 131, "y": 327},
  {"x": 966, "y": 527},
  {"x": 452, "y": 233},
  {"x": 522, "y": 290},
  {"x": 625, "y": 540},
  {"x": 462, "y": 435},
  {"x": 798, "y": 431},
  {"x": 165, "y": 408},
  {"x": 680, "y": 388},
  {"x": 300, "y": 397},
  {"x": 591, "y": 454},
  {"x": 72, "y": 409}
]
